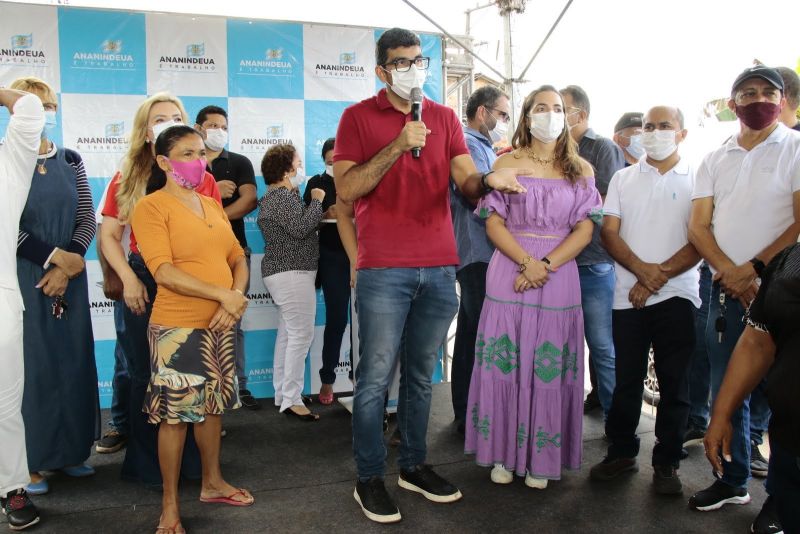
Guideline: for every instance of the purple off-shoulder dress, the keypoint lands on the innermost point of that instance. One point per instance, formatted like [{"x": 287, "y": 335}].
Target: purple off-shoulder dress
[{"x": 525, "y": 406}]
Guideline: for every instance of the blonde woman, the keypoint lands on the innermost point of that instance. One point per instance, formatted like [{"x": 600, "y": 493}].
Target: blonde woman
[
  {"x": 60, "y": 405},
  {"x": 525, "y": 406},
  {"x": 128, "y": 186}
]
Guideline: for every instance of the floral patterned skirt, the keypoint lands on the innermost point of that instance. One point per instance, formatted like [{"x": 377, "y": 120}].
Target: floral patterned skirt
[{"x": 192, "y": 374}]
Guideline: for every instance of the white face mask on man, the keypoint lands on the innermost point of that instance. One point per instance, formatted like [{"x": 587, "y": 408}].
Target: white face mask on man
[
  {"x": 498, "y": 133},
  {"x": 216, "y": 139},
  {"x": 329, "y": 170},
  {"x": 659, "y": 144},
  {"x": 404, "y": 82},
  {"x": 546, "y": 126}
]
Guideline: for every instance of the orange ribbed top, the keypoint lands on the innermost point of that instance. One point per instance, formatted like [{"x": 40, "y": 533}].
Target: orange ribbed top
[{"x": 206, "y": 248}]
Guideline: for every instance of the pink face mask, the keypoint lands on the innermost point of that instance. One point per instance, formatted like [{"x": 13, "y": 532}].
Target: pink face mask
[{"x": 188, "y": 174}]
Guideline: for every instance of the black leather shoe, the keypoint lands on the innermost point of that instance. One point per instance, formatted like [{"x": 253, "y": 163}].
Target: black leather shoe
[
  {"x": 310, "y": 417},
  {"x": 248, "y": 400},
  {"x": 19, "y": 509}
]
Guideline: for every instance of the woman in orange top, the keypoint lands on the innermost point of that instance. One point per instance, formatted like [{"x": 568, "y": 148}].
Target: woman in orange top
[{"x": 187, "y": 243}]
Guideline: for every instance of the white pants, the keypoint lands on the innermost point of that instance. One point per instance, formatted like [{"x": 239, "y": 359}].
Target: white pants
[
  {"x": 294, "y": 294},
  {"x": 13, "y": 460}
]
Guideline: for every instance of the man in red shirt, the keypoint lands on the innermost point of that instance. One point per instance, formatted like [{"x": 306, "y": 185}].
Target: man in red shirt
[{"x": 405, "y": 287}]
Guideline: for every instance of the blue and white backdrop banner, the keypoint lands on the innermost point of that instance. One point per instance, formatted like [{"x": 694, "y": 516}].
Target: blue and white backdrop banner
[{"x": 280, "y": 82}]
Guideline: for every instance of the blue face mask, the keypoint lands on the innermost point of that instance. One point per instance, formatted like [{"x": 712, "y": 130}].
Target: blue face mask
[
  {"x": 50, "y": 121},
  {"x": 635, "y": 147}
]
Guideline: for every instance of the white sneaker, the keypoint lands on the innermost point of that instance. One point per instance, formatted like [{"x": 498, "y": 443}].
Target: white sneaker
[
  {"x": 500, "y": 475},
  {"x": 536, "y": 483}
]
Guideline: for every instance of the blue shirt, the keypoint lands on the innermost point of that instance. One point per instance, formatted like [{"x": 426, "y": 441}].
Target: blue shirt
[
  {"x": 606, "y": 158},
  {"x": 470, "y": 230}
]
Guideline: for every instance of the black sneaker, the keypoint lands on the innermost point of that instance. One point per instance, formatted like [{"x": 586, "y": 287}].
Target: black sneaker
[
  {"x": 693, "y": 436},
  {"x": 666, "y": 480},
  {"x": 248, "y": 400},
  {"x": 611, "y": 468},
  {"x": 767, "y": 521},
  {"x": 591, "y": 403},
  {"x": 112, "y": 441},
  {"x": 19, "y": 509},
  {"x": 684, "y": 453},
  {"x": 717, "y": 495},
  {"x": 375, "y": 501},
  {"x": 422, "y": 479},
  {"x": 759, "y": 465}
]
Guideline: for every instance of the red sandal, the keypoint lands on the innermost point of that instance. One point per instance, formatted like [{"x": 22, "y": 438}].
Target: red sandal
[{"x": 229, "y": 499}]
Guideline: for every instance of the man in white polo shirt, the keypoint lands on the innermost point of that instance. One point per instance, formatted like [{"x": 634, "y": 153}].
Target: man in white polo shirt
[
  {"x": 746, "y": 209},
  {"x": 645, "y": 229}
]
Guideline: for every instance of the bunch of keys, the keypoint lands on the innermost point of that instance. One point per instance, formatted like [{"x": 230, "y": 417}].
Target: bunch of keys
[
  {"x": 721, "y": 323},
  {"x": 59, "y": 307}
]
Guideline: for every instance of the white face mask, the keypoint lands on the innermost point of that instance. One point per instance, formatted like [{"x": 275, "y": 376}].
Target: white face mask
[
  {"x": 498, "y": 133},
  {"x": 546, "y": 126},
  {"x": 635, "y": 147},
  {"x": 404, "y": 82},
  {"x": 659, "y": 144},
  {"x": 161, "y": 126},
  {"x": 297, "y": 180},
  {"x": 329, "y": 170},
  {"x": 216, "y": 139}
]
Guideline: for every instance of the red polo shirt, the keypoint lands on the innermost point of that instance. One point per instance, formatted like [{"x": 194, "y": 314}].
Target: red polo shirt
[{"x": 405, "y": 221}]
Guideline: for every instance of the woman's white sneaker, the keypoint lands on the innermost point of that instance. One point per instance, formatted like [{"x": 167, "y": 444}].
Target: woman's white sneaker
[
  {"x": 536, "y": 483},
  {"x": 501, "y": 476}
]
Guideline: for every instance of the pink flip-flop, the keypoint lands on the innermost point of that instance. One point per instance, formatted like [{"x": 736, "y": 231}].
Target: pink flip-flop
[{"x": 229, "y": 499}]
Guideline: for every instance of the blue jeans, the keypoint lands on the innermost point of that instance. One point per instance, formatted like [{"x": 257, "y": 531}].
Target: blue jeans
[
  {"x": 700, "y": 368},
  {"x": 754, "y": 408},
  {"x": 121, "y": 384},
  {"x": 402, "y": 312},
  {"x": 597, "y": 299}
]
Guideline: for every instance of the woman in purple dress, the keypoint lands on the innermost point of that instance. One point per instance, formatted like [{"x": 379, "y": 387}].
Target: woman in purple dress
[{"x": 525, "y": 404}]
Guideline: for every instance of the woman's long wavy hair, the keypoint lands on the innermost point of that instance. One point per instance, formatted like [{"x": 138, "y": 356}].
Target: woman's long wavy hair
[
  {"x": 566, "y": 152},
  {"x": 138, "y": 161}
]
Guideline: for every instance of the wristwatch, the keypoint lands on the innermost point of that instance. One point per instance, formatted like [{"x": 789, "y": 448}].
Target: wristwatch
[
  {"x": 758, "y": 266},
  {"x": 485, "y": 183}
]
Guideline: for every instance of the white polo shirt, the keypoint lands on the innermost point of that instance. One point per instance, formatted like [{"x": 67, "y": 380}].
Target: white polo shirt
[
  {"x": 752, "y": 192},
  {"x": 654, "y": 214}
]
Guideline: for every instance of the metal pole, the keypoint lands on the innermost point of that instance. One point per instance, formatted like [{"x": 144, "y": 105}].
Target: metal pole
[
  {"x": 509, "y": 78},
  {"x": 459, "y": 43},
  {"x": 546, "y": 37}
]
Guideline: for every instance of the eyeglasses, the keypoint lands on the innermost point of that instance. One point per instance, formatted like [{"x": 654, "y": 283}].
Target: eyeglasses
[
  {"x": 571, "y": 110},
  {"x": 505, "y": 117},
  {"x": 403, "y": 64}
]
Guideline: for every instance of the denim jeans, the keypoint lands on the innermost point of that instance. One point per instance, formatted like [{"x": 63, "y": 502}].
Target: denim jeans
[
  {"x": 141, "y": 456},
  {"x": 405, "y": 313},
  {"x": 783, "y": 485},
  {"x": 597, "y": 299},
  {"x": 241, "y": 368},
  {"x": 121, "y": 384},
  {"x": 334, "y": 272},
  {"x": 700, "y": 368},
  {"x": 472, "y": 280},
  {"x": 669, "y": 327},
  {"x": 754, "y": 408}
]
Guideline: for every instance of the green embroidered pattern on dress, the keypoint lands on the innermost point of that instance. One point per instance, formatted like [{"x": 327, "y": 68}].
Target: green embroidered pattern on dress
[
  {"x": 501, "y": 353},
  {"x": 569, "y": 361},
  {"x": 546, "y": 362},
  {"x": 543, "y": 439},
  {"x": 522, "y": 436}
]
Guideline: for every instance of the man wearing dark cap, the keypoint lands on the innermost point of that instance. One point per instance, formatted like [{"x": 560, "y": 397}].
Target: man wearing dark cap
[
  {"x": 595, "y": 266},
  {"x": 746, "y": 209},
  {"x": 791, "y": 92},
  {"x": 628, "y": 136}
]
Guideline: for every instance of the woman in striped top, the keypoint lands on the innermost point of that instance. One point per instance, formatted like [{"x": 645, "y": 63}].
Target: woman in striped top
[{"x": 60, "y": 405}]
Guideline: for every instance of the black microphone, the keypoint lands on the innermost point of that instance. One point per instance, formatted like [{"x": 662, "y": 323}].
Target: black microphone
[{"x": 416, "y": 113}]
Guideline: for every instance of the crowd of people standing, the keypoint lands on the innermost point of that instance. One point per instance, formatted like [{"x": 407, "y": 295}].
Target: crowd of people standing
[{"x": 566, "y": 237}]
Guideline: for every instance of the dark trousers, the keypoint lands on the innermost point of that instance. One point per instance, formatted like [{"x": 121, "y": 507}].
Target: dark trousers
[
  {"x": 783, "y": 485},
  {"x": 334, "y": 274},
  {"x": 472, "y": 280},
  {"x": 669, "y": 327},
  {"x": 141, "y": 456},
  {"x": 121, "y": 383}
]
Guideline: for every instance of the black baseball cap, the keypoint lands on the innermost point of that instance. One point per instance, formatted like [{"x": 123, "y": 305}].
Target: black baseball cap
[
  {"x": 631, "y": 119},
  {"x": 759, "y": 71}
]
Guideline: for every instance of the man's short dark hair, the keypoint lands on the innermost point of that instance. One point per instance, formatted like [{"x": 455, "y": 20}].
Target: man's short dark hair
[
  {"x": 327, "y": 145},
  {"x": 791, "y": 86},
  {"x": 393, "y": 38},
  {"x": 579, "y": 97},
  {"x": 487, "y": 95},
  {"x": 203, "y": 114}
]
